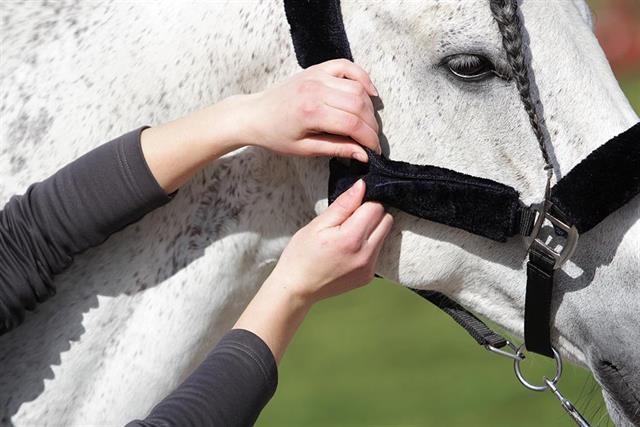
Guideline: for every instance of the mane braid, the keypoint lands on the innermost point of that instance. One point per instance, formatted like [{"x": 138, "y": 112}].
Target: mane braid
[{"x": 505, "y": 13}]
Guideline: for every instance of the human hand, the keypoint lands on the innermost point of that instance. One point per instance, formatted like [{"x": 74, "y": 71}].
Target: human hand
[
  {"x": 336, "y": 252},
  {"x": 325, "y": 110}
]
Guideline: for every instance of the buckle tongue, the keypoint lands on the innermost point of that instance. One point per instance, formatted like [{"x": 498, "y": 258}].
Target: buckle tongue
[{"x": 571, "y": 238}]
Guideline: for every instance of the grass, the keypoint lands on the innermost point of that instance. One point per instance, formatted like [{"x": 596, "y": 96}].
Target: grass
[
  {"x": 631, "y": 88},
  {"x": 381, "y": 356}
]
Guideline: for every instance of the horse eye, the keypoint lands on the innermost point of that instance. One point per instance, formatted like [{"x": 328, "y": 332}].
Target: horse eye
[{"x": 470, "y": 67}]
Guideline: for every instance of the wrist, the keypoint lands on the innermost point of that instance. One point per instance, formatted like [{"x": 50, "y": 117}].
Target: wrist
[
  {"x": 239, "y": 126},
  {"x": 287, "y": 293},
  {"x": 274, "y": 314}
]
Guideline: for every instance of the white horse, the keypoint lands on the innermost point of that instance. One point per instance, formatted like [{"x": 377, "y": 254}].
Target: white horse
[{"x": 134, "y": 316}]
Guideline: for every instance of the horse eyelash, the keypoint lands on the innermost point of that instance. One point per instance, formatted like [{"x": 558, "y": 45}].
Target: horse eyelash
[{"x": 464, "y": 60}]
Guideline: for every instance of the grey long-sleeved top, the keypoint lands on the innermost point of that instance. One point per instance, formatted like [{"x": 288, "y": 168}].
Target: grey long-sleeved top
[{"x": 79, "y": 207}]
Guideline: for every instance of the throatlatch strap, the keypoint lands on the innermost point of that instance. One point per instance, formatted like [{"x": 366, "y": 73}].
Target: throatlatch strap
[
  {"x": 537, "y": 305},
  {"x": 474, "y": 326}
]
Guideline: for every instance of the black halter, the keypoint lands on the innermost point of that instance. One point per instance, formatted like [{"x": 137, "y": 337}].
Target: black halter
[{"x": 478, "y": 205}]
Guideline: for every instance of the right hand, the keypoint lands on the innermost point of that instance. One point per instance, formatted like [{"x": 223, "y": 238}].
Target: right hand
[
  {"x": 335, "y": 252},
  {"x": 325, "y": 110}
]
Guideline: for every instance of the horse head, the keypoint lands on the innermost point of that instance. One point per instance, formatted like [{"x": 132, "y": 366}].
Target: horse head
[{"x": 450, "y": 99}]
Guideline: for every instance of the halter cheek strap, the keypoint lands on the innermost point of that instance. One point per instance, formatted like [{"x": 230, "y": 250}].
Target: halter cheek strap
[{"x": 317, "y": 31}]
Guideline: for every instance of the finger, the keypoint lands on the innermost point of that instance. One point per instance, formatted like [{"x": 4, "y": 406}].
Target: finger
[
  {"x": 333, "y": 146},
  {"x": 361, "y": 106},
  {"x": 344, "y": 85},
  {"x": 340, "y": 122},
  {"x": 380, "y": 232},
  {"x": 343, "y": 206},
  {"x": 349, "y": 70},
  {"x": 364, "y": 220}
]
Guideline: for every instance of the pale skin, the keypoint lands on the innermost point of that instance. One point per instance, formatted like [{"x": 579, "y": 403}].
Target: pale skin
[{"x": 325, "y": 110}]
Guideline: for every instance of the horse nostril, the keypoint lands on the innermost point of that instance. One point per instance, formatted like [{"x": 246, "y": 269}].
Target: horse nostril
[
  {"x": 619, "y": 385},
  {"x": 606, "y": 365}
]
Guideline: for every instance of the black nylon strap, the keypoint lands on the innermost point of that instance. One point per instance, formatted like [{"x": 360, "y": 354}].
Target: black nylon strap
[
  {"x": 526, "y": 221},
  {"x": 537, "y": 306},
  {"x": 478, "y": 330}
]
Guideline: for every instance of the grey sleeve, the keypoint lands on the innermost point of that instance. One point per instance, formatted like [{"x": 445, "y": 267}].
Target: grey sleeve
[
  {"x": 78, "y": 207},
  {"x": 229, "y": 388}
]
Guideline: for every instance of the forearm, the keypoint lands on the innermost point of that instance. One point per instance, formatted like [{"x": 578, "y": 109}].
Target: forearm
[
  {"x": 229, "y": 388},
  {"x": 78, "y": 207},
  {"x": 274, "y": 314},
  {"x": 175, "y": 151}
]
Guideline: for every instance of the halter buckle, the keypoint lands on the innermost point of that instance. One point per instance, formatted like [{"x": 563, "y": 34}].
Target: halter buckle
[{"x": 569, "y": 247}]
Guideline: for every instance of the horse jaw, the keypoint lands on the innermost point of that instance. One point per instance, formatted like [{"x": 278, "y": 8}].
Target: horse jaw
[{"x": 483, "y": 130}]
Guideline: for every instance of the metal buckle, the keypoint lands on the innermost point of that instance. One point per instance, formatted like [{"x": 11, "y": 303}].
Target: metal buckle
[{"x": 571, "y": 239}]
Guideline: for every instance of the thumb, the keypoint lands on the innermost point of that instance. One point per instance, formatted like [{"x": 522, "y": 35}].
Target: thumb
[{"x": 343, "y": 206}]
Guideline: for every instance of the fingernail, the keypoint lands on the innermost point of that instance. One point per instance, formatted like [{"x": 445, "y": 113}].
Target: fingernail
[
  {"x": 360, "y": 157},
  {"x": 374, "y": 90},
  {"x": 355, "y": 188}
]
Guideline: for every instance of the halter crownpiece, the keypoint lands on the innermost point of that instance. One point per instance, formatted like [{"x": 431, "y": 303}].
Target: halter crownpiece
[{"x": 481, "y": 206}]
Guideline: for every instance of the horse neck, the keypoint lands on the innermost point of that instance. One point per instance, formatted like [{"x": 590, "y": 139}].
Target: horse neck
[{"x": 253, "y": 195}]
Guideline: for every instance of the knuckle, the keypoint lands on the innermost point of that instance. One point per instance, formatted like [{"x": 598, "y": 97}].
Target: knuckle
[
  {"x": 341, "y": 204},
  {"x": 351, "y": 244},
  {"x": 358, "y": 103},
  {"x": 309, "y": 108},
  {"x": 364, "y": 265},
  {"x": 351, "y": 123},
  {"x": 309, "y": 88},
  {"x": 340, "y": 151}
]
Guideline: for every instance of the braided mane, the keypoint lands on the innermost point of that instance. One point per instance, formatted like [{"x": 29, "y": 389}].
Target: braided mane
[{"x": 507, "y": 15}]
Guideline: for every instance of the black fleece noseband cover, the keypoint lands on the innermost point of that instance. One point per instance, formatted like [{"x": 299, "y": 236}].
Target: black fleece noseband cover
[
  {"x": 478, "y": 205},
  {"x": 601, "y": 183}
]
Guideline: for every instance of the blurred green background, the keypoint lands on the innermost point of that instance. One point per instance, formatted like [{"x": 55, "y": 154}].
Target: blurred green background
[{"x": 381, "y": 356}]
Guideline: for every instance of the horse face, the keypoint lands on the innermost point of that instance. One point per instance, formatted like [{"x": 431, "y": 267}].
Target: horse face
[{"x": 444, "y": 81}]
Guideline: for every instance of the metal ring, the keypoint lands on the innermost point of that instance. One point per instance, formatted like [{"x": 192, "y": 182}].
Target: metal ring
[{"x": 524, "y": 382}]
